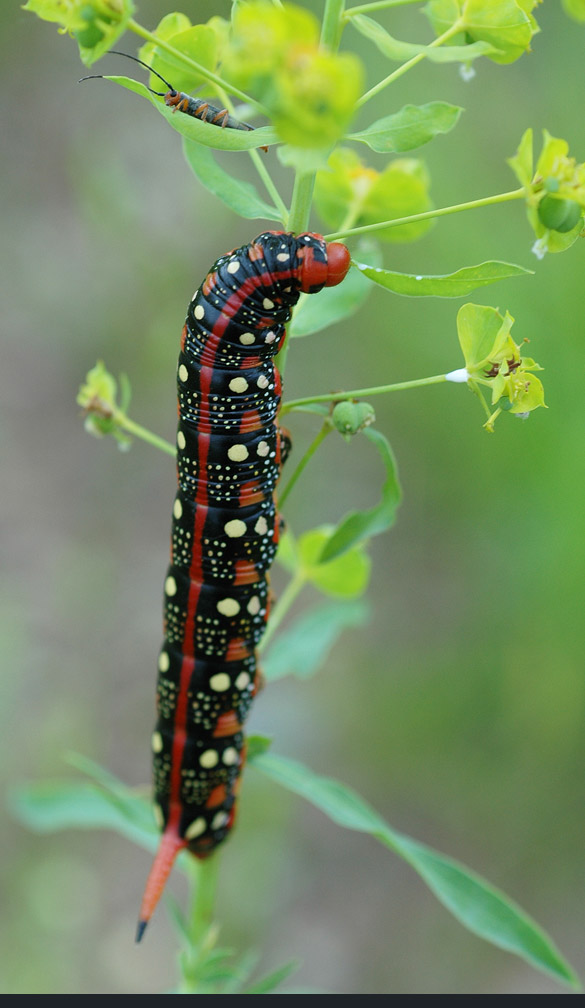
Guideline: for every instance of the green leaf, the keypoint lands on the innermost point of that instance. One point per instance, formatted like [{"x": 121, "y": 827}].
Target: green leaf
[
  {"x": 256, "y": 744},
  {"x": 240, "y": 196},
  {"x": 202, "y": 132},
  {"x": 47, "y": 806},
  {"x": 575, "y": 9},
  {"x": 305, "y": 161},
  {"x": 457, "y": 284},
  {"x": 273, "y": 980},
  {"x": 342, "y": 577},
  {"x": 313, "y": 314},
  {"x": 196, "y": 42},
  {"x": 480, "y": 907},
  {"x": 401, "y": 51},
  {"x": 360, "y": 525},
  {"x": 411, "y": 127},
  {"x": 505, "y": 24},
  {"x": 303, "y": 648}
]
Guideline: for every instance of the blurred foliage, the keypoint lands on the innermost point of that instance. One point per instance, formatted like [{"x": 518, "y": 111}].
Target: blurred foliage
[{"x": 458, "y": 711}]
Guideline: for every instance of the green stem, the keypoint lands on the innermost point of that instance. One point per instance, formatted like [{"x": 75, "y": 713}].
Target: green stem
[
  {"x": 141, "y": 432},
  {"x": 289, "y": 595},
  {"x": 201, "y": 929},
  {"x": 377, "y": 5},
  {"x": 332, "y": 24},
  {"x": 193, "y": 65},
  {"x": 429, "y": 214},
  {"x": 325, "y": 430},
  {"x": 269, "y": 185},
  {"x": 453, "y": 30},
  {"x": 362, "y": 393}
]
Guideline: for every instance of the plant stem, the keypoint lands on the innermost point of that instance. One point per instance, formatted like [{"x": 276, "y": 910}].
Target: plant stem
[
  {"x": 269, "y": 185},
  {"x": 200, "y": 926},
  {"x": 377, "y": 5},
  {"x": 332, "y": 24},
  {"x": 429, "y": 214},
  {"x": 361, "y": 393},
  {"x": 138, "y": 431},
  {"x": 193, "y": 65},
  {"x": 289, "y": 595},
  {"x": 453, "y": 30},
  {"x": 325, "y": 430}
]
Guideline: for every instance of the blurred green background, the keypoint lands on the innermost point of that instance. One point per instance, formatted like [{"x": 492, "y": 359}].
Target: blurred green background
[{"x": 458, "y": 711}]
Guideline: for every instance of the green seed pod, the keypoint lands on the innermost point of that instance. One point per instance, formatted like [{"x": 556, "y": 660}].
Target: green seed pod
[
  {"x": 558, "y": 214},
  {"x": 351, "y": 417}
]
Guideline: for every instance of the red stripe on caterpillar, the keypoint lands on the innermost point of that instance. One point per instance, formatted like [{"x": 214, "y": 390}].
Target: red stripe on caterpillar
[{"x": 225, "y": 533}]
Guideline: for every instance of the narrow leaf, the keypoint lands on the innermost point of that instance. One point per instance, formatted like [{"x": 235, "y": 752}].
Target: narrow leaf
[
  {"x": 396, "y": 50},
  {"x": 474, "y": 902},
  {"x": 202, "y": 132},
  {"x": 48, "y": 806},
  {"x": 334, "y": 303},
  {"x": 411, "y": 127},
  {"x": 304, "y": 647},
  {"x": 360, "y": 525},
  {"x": 240, "y": 196},
  {"x": 273, "y": 980},
  {"x": 457, "y": 284}
]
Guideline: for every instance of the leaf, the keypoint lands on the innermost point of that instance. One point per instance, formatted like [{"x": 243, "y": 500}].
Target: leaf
[
  {"x": 456, "y": 284},
  {"x": 411, "y": 127},
  {"x": 202, "y": 132},
  {"x": 273, "y": 980},
  {"x": 399, "y": 51},
  {"x": 360, "y": 525},
  {"x": 47, "y": 806},
  {"x": 304, "y": 646},
  {"x": 240, "y": 196},
  {"x": 480, "y": 907},
  {"x": 334, "y": 303},
  {"x": 342, "y": 577}
]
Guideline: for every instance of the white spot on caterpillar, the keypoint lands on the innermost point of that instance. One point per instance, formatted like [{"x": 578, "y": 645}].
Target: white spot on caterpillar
[
  {"x": 262, "y": 381},
  {"x": 178, "y": 509},
  {"x": 247, "y": 338},
  {"x": 242, "y": 681},
  {"x": 261, "y": 526},
  {"x": 283, "y": 256},
  {"x": 230, "y": 756},
  {"x": 220, "y": 682},
  {"x": 157, "y": 742},
  {"x": 263, "y": 449},
  {"x": 219, "y": 820},
  {"x": 199, "y": 311},
  {"x": 163, "y": 662},
  {"x": 238, "y": 452},
  {"x": 228, "y": 607},
  {"x": 234, "y": 266},
  {"x": 183, "y": 373},
  {"x": 158, "y": 815},
  {"x": 253, "y": 606},
  {"x": 235, "y": 528},
  {"x": 170, "y": 587},
  {"x": 181, "y": 442},
  {"x": 267, "y": 303},
  {"x": 209, "y": 759},
  {"x": 270, "y": 337},
  {"x": 238, "y": 385},
  {"x": 197, "y": 827}
]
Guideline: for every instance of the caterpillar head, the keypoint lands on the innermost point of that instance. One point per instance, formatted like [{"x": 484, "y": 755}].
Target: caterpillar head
[{"x": 324, "y": 264}]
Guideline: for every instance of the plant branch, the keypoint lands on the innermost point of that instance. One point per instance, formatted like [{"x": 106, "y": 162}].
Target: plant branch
[
  {"x": 428, "y": 214},
  {"x": 361, "y": 393},
  {"x": 453, "y": 30},
  {"x": 322, "y": 434}
]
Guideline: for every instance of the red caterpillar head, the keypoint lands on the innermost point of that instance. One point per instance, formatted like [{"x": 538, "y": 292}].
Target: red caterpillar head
[{"x": 316, "y": 273}]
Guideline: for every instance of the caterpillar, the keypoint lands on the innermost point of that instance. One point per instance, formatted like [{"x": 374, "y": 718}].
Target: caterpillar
[
  {"x": 225, "y": 533},
  {"x": 179, "y": 101}
]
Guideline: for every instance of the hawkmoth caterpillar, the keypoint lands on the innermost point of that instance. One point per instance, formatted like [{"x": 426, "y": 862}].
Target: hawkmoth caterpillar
[{"x": 224, "y": 534}]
